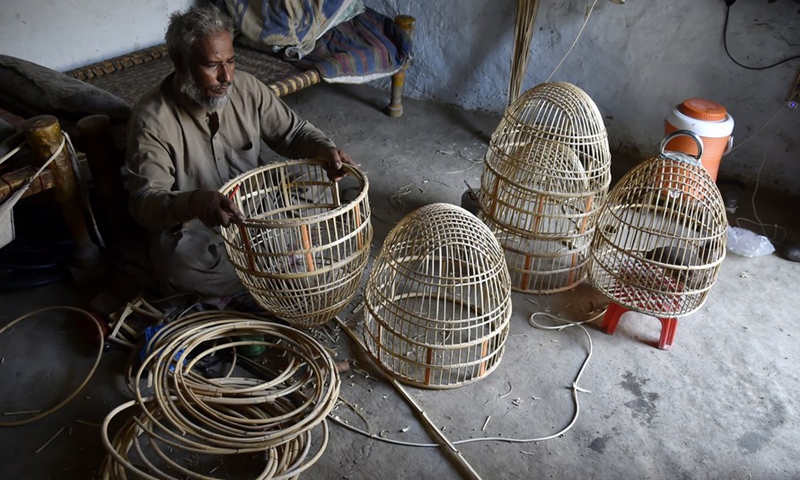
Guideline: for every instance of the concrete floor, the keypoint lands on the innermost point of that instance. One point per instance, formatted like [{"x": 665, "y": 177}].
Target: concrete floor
[{"x": 722, "y": 404}]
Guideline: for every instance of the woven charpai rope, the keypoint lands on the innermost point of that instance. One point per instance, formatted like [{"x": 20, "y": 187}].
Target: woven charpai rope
[
  {"x": 438, "y": 299},
  {"x": 660, "y": 239},
  {"x": 130, "y": 76},
  {"x": 547, "y": 173},
  {"x": 224, "y": 417},
  {"x": 302, "y": 251}
]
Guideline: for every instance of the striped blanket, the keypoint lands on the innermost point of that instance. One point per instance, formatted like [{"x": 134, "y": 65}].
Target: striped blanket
[
  {"x": 344, "y": 41},
  {"x": 367, "y": 47}
]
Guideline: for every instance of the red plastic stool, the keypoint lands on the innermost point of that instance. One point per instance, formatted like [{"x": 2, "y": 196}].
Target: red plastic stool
[{"x": 615, "y": 311}]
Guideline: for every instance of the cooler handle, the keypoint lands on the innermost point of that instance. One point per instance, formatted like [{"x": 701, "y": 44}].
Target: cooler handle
[
  {"x": 683, "y": 133},
  {"x": 729, "y": 146}
]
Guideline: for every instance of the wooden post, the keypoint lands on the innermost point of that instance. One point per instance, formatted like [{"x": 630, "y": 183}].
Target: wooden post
[
  {"x": 306, "y": 239},
  {"x": 105, "y": 162},
  {"x": 395, "y": 108},
  {"x": 44, "y": 137}
]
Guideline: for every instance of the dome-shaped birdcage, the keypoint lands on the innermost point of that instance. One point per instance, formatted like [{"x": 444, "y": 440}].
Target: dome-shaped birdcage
[
  {"x": 303, "y": 249},
  {"x": 438, "y": 299},
  {"x": 546, "y": 175},
  {"x": 660, "y": 238}
]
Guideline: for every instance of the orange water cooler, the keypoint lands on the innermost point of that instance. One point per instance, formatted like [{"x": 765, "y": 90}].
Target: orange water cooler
[{"x": 710, "y": 121}]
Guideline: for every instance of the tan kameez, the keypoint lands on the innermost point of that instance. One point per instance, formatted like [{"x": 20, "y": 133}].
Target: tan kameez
[{"x": 171, "y": 153}]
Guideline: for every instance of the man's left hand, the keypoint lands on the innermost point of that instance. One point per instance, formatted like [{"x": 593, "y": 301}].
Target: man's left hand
[{"x": 335, "y": 159}]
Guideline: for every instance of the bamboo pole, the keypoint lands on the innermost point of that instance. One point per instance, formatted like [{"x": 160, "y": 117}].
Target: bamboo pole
[
  {"x": 523, "y": 34},
  {"x": 434, "y": 432}
]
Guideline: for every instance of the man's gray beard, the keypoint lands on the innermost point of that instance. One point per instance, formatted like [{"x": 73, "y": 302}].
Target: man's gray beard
[{"x": 211, "y": 104}]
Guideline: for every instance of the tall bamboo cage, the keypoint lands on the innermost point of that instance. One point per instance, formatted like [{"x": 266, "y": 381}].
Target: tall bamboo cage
[
  {"x": 438, "y": 299},
  {"x": 546, "y": 174},
  {"x": 302, "y": 250},
  {"x": 660, "y": 239}
]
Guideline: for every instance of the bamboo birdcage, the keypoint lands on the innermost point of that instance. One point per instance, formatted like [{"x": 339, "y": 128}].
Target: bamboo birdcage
[
  {"x": 660, "y": 238},
  {"x": 546, "y": 174},
  {"x": 302, "y": 250},
  {"x": 438, "y": 299}
]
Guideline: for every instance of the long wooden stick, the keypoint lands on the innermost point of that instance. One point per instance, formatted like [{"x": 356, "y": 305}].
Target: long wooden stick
[{"x": 436, "y": 434}]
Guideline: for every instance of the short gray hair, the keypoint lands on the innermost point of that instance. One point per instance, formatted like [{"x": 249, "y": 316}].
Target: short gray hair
[{"x": 196, "y": 22}]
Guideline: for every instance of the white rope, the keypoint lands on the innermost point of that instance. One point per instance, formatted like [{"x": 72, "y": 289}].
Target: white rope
[
  {"x": 778, "y": 229},
  {"x": 14, "y": 198},
  {"x": 575, "y": 42},
  {"x": 84, "y": 193},
  {"x": 84, "y": 190},
  {"x": 575, "y": 390},
  {"x": 16, "y": 149}
]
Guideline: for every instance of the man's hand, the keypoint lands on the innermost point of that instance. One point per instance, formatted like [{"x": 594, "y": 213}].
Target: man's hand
[
  {"x": 214, "y": 209},
  {"x": 335, "y": 159}
]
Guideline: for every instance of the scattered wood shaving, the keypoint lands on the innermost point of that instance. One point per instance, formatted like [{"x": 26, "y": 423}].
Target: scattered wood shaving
[
  {"x": 517, "y": 402},
  {"x": 483, "y": 429},
  {"x": 22, "y": 412},
  {"x": 510, "y": 388},
  {"x": 744, "y": 274},
  {"x": 48, "y": 442},
  {"x": 342, "y": 366},
  {"x": 592, "y": 309},
  {"x": 405, "y": 429},
  {"x": 526, "y": 453}
]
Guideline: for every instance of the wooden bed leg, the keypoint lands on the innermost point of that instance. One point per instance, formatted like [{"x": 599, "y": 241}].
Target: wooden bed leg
[
  {"x": 105, "y": 162},
  {"x": 395, "y": 108},
  {"x": 44, "y": 136}
]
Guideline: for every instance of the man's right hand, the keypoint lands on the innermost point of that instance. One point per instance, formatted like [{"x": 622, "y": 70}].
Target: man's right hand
[{"x": 214, "y": 209}]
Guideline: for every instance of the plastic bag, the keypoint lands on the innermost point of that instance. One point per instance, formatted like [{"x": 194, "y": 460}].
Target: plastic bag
[{"x": 748, "y": 244}]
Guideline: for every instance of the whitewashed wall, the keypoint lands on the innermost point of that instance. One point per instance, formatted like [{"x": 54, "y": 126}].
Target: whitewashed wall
[
  {"x": 636, "y": 61},
  {"x": 65, "y": 34}
]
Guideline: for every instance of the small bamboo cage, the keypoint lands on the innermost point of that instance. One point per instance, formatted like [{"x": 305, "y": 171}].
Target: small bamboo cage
[
  {"x": 302, "y": 250},
  {"x": 660, "y": 239},
  {"x": 438, "y": 299},
  {"x": 546, "y": 175}
]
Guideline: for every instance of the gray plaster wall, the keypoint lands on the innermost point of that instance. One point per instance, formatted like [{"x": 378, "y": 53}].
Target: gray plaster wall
[{"x": 636, "y": 60}]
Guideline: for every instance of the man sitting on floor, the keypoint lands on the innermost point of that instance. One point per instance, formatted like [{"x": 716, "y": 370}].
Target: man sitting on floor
[{"x": 200, "y": 127}]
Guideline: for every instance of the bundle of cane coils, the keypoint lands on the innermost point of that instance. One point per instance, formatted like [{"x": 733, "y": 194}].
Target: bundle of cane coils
[{"x": 192, "y": 420}]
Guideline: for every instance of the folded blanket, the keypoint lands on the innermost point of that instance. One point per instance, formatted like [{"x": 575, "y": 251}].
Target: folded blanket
[
  {"x": 367, "y": 47},
  {"x": 289, "y": 25}
]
